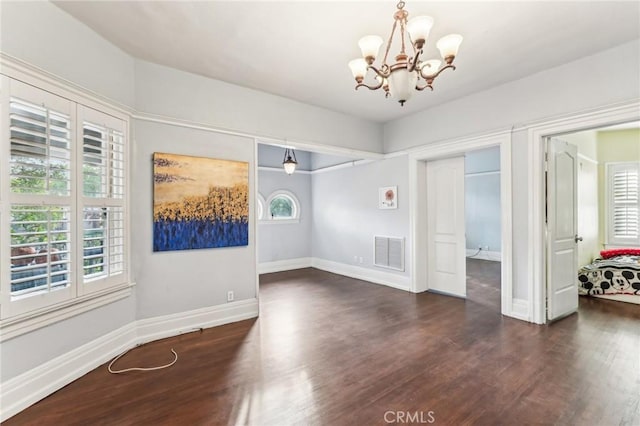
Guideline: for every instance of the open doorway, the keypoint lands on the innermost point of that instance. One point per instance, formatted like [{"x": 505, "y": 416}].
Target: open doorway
[
  {"x": 606, "y": 209},
  {"x": 483, "y": 227},
  {"x": 430, "y": 199}
]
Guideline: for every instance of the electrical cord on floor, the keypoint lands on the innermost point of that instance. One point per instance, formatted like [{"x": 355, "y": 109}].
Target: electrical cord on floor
[
  {"x": 476, "y": 253},
  {"x": 140, "y": 368}
]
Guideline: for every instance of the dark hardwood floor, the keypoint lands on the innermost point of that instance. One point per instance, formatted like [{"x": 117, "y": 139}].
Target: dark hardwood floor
[
  {"x": 483, "y": 283},
  {"x": 332, "y": 350}
]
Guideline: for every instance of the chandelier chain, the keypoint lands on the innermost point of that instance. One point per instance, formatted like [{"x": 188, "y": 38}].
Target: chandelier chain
[
  {"x": 402, "y": 30},
  {"x": 393, "y": 30}
]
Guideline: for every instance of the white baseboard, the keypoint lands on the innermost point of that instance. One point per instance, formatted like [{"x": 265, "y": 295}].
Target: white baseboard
[
  {"x": 30, "y": 387},
  {"x": 284, "y": 265},
  {"x": 389, "y": 279},
  {"x": 495, "y": 256},
  {"x": 520, "y": 310},
  {"x": 184, "y": 322}
]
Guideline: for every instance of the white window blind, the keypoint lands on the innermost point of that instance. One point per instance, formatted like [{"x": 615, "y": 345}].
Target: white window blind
[
  {"x": 64, "y": 217},
  {"x": 624, "y": 205},
  {"x": 103, "y": 193},
  {"x": 40, "y": 149}
]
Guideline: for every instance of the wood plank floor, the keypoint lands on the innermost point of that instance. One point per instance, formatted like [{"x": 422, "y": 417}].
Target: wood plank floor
[
  {"x": 332, "y": 350},
  {"x": 483, "y": 283}
]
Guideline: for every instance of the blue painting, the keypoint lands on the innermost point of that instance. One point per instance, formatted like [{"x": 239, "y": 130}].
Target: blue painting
[{"x": 199, "y": 202}]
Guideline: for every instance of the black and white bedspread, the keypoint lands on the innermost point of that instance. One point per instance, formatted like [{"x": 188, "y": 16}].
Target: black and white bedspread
[{"x": 617, "y": 275}]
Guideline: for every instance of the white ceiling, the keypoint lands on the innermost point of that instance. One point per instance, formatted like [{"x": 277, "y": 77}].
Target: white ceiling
[{"x": 300, "y": 49}]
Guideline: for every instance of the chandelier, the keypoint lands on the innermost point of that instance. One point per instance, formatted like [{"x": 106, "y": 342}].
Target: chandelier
[{"x": 408, "y": 72}]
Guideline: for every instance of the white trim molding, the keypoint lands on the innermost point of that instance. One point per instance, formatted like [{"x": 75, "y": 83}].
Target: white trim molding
[
  {"x": 417, "y": 209},
  {"x": 30, "y": 321},
  {"x": 537, "y": 136},
  {"x": 397, "y": 281},
  {"x": 28, "y": 388},
  {"x": 284, "y": 265}
]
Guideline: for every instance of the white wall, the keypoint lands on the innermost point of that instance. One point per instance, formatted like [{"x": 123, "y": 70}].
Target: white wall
[
  {"x": 285, "y": 240},
  {"x": 198, "y": 99},
  {"x": 482, "y": 199},
  {"x": 346, "y": 215},
  {"x": 178, "y": 281}
]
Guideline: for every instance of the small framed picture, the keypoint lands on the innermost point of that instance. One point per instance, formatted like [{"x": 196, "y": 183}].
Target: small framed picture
[{"x": 388, "y": 197}]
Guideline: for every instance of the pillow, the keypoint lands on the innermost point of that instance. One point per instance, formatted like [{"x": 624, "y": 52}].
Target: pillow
[{"x": 608, "y": 253}]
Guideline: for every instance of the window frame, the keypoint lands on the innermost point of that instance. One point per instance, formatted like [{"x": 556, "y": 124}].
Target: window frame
[
  {"x": 295, "y": 218},
  {"x": 36, "y": 312},
  {"x": 610, "y": 239}
]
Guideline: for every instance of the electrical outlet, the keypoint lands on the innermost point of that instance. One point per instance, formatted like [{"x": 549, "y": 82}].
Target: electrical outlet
[
  {"x": 360, "y": 260},
  {"x": 486, "y": 248},
  {"x": 230, "y": 296},
  {"x": 355, "y": 259}
]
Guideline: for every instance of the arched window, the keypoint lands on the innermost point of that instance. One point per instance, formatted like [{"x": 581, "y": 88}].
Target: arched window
[{"x": 283, "y": 206}]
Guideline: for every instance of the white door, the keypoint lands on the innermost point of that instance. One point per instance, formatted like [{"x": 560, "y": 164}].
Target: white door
[
  {"x": 562, "y": 226},
  {"x": 447, "y": 271}
]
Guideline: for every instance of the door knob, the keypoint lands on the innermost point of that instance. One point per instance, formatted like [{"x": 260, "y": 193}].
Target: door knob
[{"x": 577, "y": 238}]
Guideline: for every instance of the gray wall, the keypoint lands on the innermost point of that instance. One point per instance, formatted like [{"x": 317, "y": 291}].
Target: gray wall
[
  {"x": 46, "y": 36},
  {"x": 586, "y": 83},
  {"x": 35, "y": 32},
  {"x": 320, "y": 161},
  {"x": 482, "y": 199},
  {"x": 346, "y": 214},
  {"x": 282, "y": 241},
  {"x": 202, "y": 100},
  {"x": 178, "y": 281}
]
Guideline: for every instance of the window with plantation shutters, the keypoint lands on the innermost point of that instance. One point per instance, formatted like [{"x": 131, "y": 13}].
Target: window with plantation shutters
[
  {"x": 103, "y": 191},
  {"x": 623, "y": 212},
  {"x": 62, "y": 201}
]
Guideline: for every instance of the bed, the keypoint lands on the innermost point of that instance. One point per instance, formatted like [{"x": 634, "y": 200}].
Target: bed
[{"x": 615, "y": 274}]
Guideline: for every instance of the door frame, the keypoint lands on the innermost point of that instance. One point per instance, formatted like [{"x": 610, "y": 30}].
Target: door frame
[
  {"x": 536, "y": 138},
  {"x": 418, "y": 208}
]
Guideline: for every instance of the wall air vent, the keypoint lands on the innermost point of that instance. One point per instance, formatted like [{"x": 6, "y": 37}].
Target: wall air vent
[{"x": 388, "y": 252}]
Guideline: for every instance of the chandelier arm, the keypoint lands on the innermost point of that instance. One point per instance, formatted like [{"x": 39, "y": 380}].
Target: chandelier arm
[
  {"x": 369, "y": 87},
  {"x": 382, "y": 74},
  {"x": 433, "y": 76},
  {"x": 413, "y": 64},
  {"x": 421, "y": 88}
]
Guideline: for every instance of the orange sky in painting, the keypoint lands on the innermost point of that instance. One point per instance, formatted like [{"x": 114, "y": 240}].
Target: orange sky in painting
[{"x": 204, "y": 172}]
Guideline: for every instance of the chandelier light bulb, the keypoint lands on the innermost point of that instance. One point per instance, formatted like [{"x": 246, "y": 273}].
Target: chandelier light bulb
[
  {"x": 448, "y": 46},
  {"x": 370, "y": 45},
  {"x": 419, "y": 28},
  {"x": 358, "y": 68}
]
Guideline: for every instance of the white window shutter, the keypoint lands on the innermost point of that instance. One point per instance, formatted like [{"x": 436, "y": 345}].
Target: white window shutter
[{"x": 624, "y": 207}]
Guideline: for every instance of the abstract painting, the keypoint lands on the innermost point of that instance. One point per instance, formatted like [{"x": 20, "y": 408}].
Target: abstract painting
[{"x": 199, "y": 202}]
